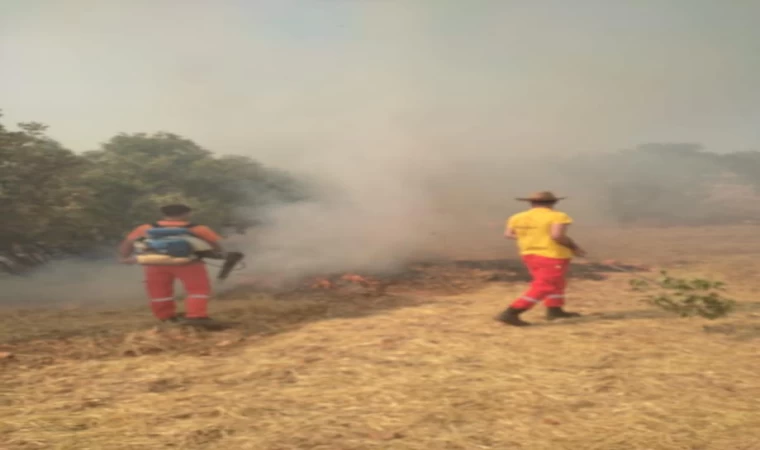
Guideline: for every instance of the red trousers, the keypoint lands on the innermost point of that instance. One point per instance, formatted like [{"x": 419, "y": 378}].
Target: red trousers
[
  {"x": 549, "y": 281},
  {"x": 159, "y": 282}
]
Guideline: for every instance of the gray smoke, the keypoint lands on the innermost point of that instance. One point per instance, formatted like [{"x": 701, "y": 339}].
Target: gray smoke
[{"x": 417, "y": 122}]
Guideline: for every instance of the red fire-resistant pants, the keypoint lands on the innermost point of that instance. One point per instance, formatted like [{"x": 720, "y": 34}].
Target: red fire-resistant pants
[
  {"x": 549, "y": 281},
  {"x": 159, "y": 281}
]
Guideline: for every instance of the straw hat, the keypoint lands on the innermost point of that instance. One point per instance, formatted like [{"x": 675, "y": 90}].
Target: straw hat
[{"x": 543, "y": 196}]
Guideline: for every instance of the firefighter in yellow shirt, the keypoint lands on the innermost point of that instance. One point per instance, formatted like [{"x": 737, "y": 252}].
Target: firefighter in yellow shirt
[{"x": 546, "y": 250}]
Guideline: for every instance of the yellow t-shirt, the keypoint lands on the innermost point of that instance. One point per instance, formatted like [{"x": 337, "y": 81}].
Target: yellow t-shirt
[{"x": 533, "y": 229}]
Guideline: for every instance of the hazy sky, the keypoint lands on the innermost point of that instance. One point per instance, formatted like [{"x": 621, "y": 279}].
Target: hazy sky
[
  {"x": 270, "y": 76},
  {"x": 417, "y": 113}
]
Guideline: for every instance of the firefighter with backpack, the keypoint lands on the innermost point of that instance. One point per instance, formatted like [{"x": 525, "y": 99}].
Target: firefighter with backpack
[{"x": 173, "y": 248}]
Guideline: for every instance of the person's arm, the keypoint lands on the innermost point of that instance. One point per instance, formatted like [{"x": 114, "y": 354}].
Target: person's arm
[
  {"x": 210, "y": 236},
  {"x": 559, "y": 234},
  {"x": 509, "y": 230},
  {"x": 127, "y": 246}
]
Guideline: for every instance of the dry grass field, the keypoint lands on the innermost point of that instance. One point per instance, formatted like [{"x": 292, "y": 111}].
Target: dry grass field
[{"x": 421, "y": 365}]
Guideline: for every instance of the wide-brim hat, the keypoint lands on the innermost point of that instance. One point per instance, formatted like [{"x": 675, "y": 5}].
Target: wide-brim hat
[{"x": 543, "y": 196}]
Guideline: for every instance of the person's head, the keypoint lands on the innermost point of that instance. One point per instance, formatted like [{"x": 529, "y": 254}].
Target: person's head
[
  {"x": 544, "y": 199},
  {"x": 176, "y": 211},
  {"x": 542, "y": 204}
]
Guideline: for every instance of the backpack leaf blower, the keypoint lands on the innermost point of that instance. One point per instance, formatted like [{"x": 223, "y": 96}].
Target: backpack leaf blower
[
  {"x": 177, "y": 246},
  {"x": 231, "y": 259}
]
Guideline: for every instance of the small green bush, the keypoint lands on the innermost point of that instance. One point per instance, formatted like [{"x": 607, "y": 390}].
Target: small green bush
[{"x": 686, "y": 297}]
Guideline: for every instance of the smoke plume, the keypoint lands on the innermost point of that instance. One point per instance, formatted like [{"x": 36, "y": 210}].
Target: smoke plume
[{"x": 417, "y": 123}]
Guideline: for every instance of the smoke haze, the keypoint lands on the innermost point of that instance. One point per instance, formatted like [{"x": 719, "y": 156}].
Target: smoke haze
[{"x": 418, "y": 121}]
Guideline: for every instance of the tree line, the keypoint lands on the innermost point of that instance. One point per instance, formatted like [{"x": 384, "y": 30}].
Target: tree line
[
  {"x": 670, "y": 184},
  {"x": 55, "y": 202}
]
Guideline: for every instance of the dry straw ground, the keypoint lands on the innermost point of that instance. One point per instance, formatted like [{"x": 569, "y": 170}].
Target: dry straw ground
[{"x": 422, "y": 366}]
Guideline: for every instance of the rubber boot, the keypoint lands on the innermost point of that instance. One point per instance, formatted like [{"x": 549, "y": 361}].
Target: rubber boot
[
  {"x": 556, "y": 312},
  {"x": 511, "y": 316}
]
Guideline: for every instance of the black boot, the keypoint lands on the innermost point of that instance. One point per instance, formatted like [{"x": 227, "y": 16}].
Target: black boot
[
  {"x": 511, "y": 316},
  {"x": 203, "y": 322},
  {"x": 556, "y": 312}
]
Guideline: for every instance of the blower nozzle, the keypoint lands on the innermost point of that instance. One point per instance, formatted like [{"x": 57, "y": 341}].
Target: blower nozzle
[{"x": 231, "y": 259}]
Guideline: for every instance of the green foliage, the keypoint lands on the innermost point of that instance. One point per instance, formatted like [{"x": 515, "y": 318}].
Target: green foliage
[
  {"x": 53, "y": 200},
  {"x": 142, "y": 172},
  {"x": 36, "y": 189},
  {"x": 686, "y": 297}
]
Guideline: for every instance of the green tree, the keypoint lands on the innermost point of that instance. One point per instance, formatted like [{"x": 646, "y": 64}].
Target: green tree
[
  {"x": 40, "y": 201},
  {"x": 53, "y": 200},
  {"x": 133, "y": 175}
]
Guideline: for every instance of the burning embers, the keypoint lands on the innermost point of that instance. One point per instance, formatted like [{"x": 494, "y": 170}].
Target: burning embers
[
  {"x": 348, "y": 280},
  {"x": 434, "y": 278},
  {"x": 322, "y": 283}
]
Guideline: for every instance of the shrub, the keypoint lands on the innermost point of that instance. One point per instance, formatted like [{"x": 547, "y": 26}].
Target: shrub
[{"x": 686, "y": 297}]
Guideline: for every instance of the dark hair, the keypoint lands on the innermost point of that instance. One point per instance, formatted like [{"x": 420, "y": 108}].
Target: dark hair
[
  {"x": 544, "y": 203},
  {"x": 175, "y": 210}
]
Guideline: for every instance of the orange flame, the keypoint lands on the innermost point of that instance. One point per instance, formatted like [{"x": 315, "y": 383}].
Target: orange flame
[
  {"x": 358, "y": 279},
  {"x": 322, "y": 283}
]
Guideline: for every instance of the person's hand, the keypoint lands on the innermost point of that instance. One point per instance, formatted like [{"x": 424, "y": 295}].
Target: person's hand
[
  {"x": 128, "y": 260},
  {"x": 579, "y": 252}
]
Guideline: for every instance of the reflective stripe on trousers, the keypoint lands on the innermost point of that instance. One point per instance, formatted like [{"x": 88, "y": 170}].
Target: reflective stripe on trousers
[{"x": 549, "y": 282}]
